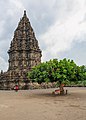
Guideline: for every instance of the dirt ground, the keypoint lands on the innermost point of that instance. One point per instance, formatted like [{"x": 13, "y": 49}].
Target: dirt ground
[{"x": 42, "y": 105}]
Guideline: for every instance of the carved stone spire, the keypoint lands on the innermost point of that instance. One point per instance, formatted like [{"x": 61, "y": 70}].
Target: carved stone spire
[{"x": 24, "y": 52}]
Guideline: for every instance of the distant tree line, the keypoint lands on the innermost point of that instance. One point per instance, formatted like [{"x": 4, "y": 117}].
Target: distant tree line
[{"x": 61, "y": 71}]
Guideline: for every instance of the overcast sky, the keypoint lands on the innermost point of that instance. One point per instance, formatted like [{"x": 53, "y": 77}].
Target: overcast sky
[{"x": 59, "y": 25}]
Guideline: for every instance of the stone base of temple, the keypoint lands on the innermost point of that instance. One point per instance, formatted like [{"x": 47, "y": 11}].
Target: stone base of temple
[
  {"x": 11, "y": 78},
  {"x": 9, "y": 85},
  {"x": 24, "y": 85}
]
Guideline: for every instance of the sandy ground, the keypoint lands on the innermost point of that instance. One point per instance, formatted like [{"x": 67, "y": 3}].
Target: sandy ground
[{"x": 42, "y": 105}]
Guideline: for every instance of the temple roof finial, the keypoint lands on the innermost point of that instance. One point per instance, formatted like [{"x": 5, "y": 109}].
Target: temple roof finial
[{"x": 24, "y": 12}]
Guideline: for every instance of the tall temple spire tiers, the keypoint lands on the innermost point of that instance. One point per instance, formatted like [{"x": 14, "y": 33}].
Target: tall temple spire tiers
[
  {"x": 24, "y": 52},
  {"x": 23, "y": 45}
]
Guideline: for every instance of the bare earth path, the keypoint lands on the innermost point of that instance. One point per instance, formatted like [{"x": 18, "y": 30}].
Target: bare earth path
[{"x": 42, "y": 105}]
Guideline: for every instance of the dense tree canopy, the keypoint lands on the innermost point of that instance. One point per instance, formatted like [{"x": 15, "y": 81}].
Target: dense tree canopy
[{"x": 54, "y": 70}]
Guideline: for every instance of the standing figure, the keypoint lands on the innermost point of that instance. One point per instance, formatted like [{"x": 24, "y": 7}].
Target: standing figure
[{"x": 16, "y": 88}]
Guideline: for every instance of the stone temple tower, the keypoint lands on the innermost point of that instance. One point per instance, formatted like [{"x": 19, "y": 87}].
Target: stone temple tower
[{"x": 24, "y": 53}]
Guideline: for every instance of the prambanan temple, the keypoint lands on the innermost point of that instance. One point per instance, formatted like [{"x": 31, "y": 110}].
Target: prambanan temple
[{"x": 24, "y": 53}]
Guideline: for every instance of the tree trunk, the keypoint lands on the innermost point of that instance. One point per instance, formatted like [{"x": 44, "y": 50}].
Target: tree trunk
[{"x": 61, "y": 89}]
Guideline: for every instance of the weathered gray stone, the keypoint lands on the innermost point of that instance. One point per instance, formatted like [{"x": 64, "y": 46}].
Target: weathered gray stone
[{"x": 24, "y": 53}]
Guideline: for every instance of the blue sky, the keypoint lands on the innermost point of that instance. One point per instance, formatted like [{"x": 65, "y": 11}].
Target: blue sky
[{"x": 59, "y": 25}]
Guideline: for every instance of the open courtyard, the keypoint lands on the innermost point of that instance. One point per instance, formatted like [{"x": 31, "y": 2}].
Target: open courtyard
[{"x": 43, "y": 105}]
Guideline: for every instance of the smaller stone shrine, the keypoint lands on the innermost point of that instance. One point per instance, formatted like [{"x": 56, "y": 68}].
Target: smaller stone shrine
[{"x": 24, "y": 53}]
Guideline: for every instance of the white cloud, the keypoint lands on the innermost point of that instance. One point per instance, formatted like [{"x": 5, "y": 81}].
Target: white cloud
[
  {"x": 8, "y": 21},
  {"x": 64, "y": 32},
  {"x": 58, "y": 24},
  {"x": 18, "y": 4},
  {"x": 1, "y": 27},
  {"x": 3, "y": 64}
]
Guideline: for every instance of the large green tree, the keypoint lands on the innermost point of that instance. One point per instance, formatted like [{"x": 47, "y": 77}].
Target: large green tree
[{"x": 54, "y": 70}]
